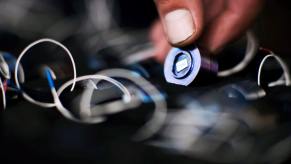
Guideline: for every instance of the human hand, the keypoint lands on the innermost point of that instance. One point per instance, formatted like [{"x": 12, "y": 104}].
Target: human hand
[{"x": 211, "y": 24}]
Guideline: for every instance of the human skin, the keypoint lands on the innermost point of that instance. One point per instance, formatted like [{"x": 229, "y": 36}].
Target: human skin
[{"x": 210, "y": 24}]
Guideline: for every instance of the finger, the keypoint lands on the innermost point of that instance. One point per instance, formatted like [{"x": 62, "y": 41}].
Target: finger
[
  {"x": 182, "y": 20},
  {"x": 156, "y": 33},
  {"x": 161, "y": 51},
  {"x": 160, "y": 43},
  {"x": 230, "y": 24}
]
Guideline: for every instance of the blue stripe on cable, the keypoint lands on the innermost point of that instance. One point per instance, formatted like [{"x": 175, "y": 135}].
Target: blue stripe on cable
[{"x": 49, "y": 78}]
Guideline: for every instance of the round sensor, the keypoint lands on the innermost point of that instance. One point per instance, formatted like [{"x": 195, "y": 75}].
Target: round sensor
[{"x": 182, "y": 65}]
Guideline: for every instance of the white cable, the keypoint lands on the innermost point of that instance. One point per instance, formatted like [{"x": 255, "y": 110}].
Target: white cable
[
  {"x": 139, "y": 56},
  {"x": 251, "y": 96},
  {"x": 160, "y": 112},
  {"x": 21, "y": 74},
  {"x": 67, "y": 114},
  {"x": 26, "y": 96},
  {"x": 4, "y": 68},
  {"x": 112, "y": 107},
  {"x": 251, "y": 50},
  {"x": 3, "y": 94},
  {"x": 282, "y": 64}
]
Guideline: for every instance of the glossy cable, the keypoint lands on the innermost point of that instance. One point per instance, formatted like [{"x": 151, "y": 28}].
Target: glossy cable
[
  {"x": 152, "y": 126},
  {"x": 25, "y": 95}
]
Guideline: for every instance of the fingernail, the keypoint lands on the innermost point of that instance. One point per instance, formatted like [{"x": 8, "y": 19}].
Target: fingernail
[{"x": 179, "y": 25}]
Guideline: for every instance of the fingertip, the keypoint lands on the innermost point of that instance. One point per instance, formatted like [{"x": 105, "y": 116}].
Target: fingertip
[
  {"x": 179, "y": 25},
  {"x": 188, "y": 41},
  {"x": 182, "y": 20}
]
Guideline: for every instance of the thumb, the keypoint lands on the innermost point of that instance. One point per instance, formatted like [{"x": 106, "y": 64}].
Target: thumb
[{"x": 182, "y": 20}]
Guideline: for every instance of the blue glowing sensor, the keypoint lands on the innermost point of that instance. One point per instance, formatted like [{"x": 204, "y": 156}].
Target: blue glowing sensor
[{"x": 183, "y": 66}]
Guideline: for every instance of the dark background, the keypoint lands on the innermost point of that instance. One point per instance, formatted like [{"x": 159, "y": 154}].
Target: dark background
[{"x": 31, "y": 133}]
